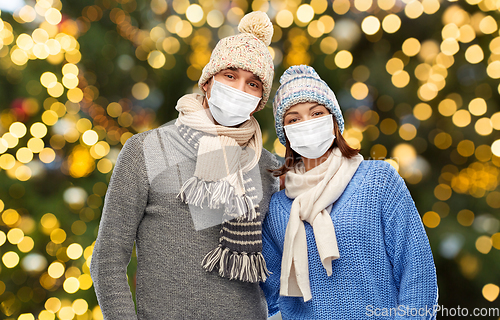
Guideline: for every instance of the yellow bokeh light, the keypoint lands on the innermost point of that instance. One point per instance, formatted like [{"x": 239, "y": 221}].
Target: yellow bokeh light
[
  {"x": 450, "y": 46},
  {"x": 67, "y": 312},
  {"x": 474, "y": 54},
  {"x": 140, "y": 91},
  {"x": 23, "y": 173},
  {"x": 305, "y": 13},
  {"x": 388, "y": 126},
  {"x": 75, "y": 95},
  {"x": 183, "y": 28},
  {"x": 341, "y": 6},
  {"x": 328, "y": 22},
  {"x": 483, "y": 244},
  {"x": 343, "y": 59},
  {"x": 80, "y": 306},
  {"x": 53, "y": 16},
  {"x": 461, "y": 118},
  {"x": 47, "y": 155},
  {"x": 56, "y": 270},
  {"x": 411, "y": 47},
  {"x": 431, "y": 219},
  {"x": 194, "y": 13},
  {"x": 450, "y": 30},
  {"x": 58, "y": 236},
  {"x": 465, "y": 217},
  {"x": 38, "y": 130},
  {"x": 363, "y": 5},
  {"x": 27, "y": 13},
  {"x": 156, "y": 59},
  {"x": 26, "y": 245},
  {"x": 495, "y": 120},
  {"x": 407, "y": 131},
  {"x": 104, "y": 166},
  {"x": 24, "y": 155},
  {"x": 15, "y": 235},
  {"x": 40, "y": 36},
  {"x": 26, "y": 316},
  {"x": 467, "y": 33},
  {"x": 56, "y": 90},
  {"x": 74, "y": 251},
  {"x": 443, "y": 140},
  {"x": 53, "y": 304},
  {"x": 70, "y": 81},
  {"x": 391, "y": 23},
  {"x": 490, "y": 292},
  {"x": 478, "y": 106},
  {"x": 7, "y": 161},
  {"x": 25, "y": 42},
  {"x": 466, "y": 148},
  {"x": 488, "y": 25},
  {"x": 49, "y": 117},
  {"x": 431, "y": 6},
  {"x": 316, "y": 29},
  {"x": 414, "y": 9},
  {"x": 386, "y": 4},
  {"x": 359, "y": 91},
  {"x": 17, "y": 129},
  {"x": 48, "y": 79},
  {"x": 10, "y": 217},
  {"x": 400, "y": 79},
  {"x": 447, "y": 107},
  {"x": 71, "y": 285},
  {"x": 90, "y": 137},
  {"x": 215, "y": 18},
  {"x": 422, "y": 111},
  {"x": 370, "y": 25},
  {"x": 493, "y": 69},
  {"x": 394, "y": 65},
  {"x": 483, "y": 126},
  {"x": 10, "y": 259}
]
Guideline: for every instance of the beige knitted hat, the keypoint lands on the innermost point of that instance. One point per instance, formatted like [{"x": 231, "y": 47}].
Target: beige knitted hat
[{"x": 247, "y": 51}]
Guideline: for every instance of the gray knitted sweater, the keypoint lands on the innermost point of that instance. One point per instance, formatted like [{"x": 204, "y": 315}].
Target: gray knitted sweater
[{"x": 141, "y": 206}]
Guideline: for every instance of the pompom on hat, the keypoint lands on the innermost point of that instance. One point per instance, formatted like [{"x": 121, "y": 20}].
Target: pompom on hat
[
  {"x": 247, "y": 51},
  {"x": 300, "y": 84}
]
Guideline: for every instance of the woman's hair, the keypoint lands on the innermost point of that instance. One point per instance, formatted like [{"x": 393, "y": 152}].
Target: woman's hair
[{"x": 292, "y": 157}]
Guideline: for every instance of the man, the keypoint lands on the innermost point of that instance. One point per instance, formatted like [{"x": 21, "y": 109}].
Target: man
[{"x": 192, "y": 196}]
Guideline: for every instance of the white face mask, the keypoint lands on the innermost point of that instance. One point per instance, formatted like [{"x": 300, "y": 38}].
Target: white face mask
[
  {"x": 311, "y": 138},
  {"x": 230, "y": 106}
]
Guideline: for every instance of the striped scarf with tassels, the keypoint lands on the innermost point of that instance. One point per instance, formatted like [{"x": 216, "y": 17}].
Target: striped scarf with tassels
[{"x": 225, "y": 155}]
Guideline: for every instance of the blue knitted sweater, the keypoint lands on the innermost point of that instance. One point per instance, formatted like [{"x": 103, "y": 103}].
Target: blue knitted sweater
[{"x": 385, "y": 270}]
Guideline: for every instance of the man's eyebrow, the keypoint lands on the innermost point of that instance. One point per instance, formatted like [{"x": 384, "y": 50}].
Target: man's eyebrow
[{"x": 254, "y": 77}]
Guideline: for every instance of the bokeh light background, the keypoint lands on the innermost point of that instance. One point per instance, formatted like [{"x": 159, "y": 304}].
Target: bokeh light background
[{"x": 417, "y": 81}]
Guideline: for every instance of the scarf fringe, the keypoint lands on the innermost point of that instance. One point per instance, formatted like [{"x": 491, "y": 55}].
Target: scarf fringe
[
  {"x": 214, "y": 193},
  {"x": 235, "y": 265}
]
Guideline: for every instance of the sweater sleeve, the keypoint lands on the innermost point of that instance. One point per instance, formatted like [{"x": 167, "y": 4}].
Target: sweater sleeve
[
  {"x": 410, "y": 253},
  {"x": 123, "y": 210},
  {"x": 272, "y": 255}
]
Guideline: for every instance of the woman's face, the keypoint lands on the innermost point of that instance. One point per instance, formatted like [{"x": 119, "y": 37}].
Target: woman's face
[{"x": 303, "y": 112}]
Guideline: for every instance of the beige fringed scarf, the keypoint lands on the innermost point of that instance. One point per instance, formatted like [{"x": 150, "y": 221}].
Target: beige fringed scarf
[
  {"x": 223, "y": 156},
  {"x": 313, "y": 191}
]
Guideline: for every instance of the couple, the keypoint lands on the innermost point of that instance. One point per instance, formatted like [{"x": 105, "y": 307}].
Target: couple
[{"x": 214, "y": 237}]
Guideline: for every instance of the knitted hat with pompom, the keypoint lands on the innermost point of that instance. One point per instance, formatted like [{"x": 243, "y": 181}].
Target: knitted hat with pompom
[
  {"x": 300, "y": 84},
  {"x": 247, "y": 51}
]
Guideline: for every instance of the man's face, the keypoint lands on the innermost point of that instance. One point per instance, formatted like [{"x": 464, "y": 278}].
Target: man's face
[{"x": 239, "y": 79}]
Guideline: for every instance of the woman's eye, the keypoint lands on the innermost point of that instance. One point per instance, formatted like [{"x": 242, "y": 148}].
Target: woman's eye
[
  {"x": 318, "y": 113},
  {"x": 292, "y": 120}
]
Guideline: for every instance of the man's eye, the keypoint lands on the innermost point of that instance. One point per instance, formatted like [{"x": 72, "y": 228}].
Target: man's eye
[{"x": 229, "y": 76}]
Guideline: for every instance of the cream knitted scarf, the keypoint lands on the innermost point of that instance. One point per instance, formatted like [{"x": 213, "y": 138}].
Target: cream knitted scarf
[
  {"x": 313, "y": 191},
  {"x": 224, "y": 155}
]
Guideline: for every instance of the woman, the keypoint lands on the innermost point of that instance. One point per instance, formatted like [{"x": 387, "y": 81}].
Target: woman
[{"x": 344, "y": 239}]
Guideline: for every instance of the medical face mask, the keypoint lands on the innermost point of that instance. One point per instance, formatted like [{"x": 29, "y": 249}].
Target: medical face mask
[
  {"x": 230, "y": 106},
  {"x": 311, "y": 138}
]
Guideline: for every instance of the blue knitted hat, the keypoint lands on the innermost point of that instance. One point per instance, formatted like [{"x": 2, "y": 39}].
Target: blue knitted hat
[{"x": 302, "y": 84}]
